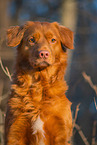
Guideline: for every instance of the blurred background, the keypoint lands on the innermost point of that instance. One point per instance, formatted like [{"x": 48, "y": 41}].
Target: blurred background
[{"x": 81, "y": 17}]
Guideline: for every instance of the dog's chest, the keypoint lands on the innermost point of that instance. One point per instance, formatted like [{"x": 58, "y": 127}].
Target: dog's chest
[{"x": 38, "y": 131}]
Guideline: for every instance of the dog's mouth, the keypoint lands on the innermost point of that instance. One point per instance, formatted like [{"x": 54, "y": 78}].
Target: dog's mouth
[{"x": 41, "y": 65}]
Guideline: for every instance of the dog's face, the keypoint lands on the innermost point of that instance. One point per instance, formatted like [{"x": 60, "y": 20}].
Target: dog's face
[{"x": 40, "y": 43}]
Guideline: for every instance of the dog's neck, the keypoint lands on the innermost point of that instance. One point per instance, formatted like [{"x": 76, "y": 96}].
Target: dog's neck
[
  {"x": 49, "y": 74},
  {"x": 40, "y": 83}
]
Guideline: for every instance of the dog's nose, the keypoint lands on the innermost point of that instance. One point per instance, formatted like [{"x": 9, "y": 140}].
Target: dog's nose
[{"x": 43, "y": 54}]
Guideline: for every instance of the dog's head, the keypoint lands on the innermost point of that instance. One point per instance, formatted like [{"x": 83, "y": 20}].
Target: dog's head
[{"x": 40, "y": 43}]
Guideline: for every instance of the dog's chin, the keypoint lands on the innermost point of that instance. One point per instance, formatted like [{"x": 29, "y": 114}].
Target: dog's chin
[
  {"x": 44, "y": 64},
  {"x": 41, "y": 65}
]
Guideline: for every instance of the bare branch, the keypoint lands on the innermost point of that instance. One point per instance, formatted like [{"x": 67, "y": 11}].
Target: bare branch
[
  {"x": 94, "y": 87},
  {"x": 81, "y": 134},
  {"x": 76, "y": 113},
  {"x": 95, "y": 103},
  {"x": 88, "y": 79},
  {"x": 5, "y": 70},
  {"x": 94, "y": 132}
]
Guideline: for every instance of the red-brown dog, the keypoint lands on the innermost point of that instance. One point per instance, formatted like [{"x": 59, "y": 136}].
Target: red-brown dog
[{"x": 38, "y": 111}]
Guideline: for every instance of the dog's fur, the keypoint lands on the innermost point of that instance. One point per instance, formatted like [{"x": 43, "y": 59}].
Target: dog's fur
[{"x": 38, "y": 112}]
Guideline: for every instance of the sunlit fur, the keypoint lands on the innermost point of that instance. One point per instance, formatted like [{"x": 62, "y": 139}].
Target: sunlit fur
[{"x": 38, "y": 112}]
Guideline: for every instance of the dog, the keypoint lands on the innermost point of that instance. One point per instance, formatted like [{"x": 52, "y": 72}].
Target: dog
[{"x": 38, "y": 111}]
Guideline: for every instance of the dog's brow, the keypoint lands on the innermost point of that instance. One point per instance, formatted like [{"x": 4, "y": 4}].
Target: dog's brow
[{"x": 49, "y": 34}]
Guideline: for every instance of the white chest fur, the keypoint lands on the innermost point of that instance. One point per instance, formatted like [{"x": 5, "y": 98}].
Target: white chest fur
[{"x": 38, "y": 127}]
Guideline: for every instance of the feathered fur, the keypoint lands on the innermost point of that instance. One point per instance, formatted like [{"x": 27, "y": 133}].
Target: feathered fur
[{"x": 38, "y": 112}]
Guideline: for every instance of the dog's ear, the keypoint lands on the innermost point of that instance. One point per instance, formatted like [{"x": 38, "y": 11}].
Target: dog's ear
[
  {"x": 66, "y": 36},
  {"x": 15, "y": 34}
]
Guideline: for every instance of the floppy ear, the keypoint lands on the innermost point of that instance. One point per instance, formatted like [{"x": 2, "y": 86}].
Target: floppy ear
[
  {"x": 15, "y": 34},
  {"x": 66, "y": 36}
]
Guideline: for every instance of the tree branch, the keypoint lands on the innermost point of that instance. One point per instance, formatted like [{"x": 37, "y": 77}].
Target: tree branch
[
  {"x": 5, "y": 70},
  {"x": 94, "y": 132},
  {"x": 88, "y": 79},
  {"x": 81, "y": 134},
  {"x": 76, "y": 114},
  {"x": 94, "y": 87}
]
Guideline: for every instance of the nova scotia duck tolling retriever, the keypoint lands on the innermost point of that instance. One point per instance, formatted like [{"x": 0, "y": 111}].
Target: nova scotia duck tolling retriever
[{"x": 38, "y": 111}]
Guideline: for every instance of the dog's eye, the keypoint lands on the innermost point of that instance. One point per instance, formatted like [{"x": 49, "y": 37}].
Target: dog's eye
[
  {"x": 53, "y": 40},
  {"x": 32, "y": 40}
]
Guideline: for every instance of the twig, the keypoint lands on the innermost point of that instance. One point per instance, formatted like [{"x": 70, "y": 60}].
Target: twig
[
  {"x": 94, "y": 132},
  {"x": 76, "y": 114},
  {"x": 1, "y": 127},
  {"x": 88, "y": 79},
  {"x": 95, "y": 103},
  {"x": 5, "y": 70},
  {"x": 81, "y": 134},
  {"x": 94, "y": 87}
]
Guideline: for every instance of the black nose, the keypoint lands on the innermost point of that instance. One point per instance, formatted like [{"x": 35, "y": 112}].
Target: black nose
[{"x": 43, "y": 54}]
